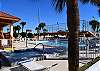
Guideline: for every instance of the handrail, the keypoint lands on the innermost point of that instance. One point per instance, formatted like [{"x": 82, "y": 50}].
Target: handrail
[{"x": 43, "y": 48}]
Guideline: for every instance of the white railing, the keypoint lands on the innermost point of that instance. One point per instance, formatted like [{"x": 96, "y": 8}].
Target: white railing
[{"x": 92, "y": 48}]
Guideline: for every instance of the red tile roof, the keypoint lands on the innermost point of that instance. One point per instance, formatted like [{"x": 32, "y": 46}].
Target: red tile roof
[{"x": 4, "y": 15}]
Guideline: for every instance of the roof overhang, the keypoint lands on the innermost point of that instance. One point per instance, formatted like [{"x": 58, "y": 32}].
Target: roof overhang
[
  {"x": 80, "y": 34},
  {"x": 7, "y": 19},
  {"x": 5, "y": 22}
]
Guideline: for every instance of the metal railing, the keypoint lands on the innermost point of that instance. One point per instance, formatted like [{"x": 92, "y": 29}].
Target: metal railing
[
  {"x": 92, "y": 48},
  {"x": 85, "y": 52},
  {"x": 43, "y": 48}
]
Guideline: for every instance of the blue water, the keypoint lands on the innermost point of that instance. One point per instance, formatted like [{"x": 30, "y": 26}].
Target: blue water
[
  {"x": 57, "y": 43},
  {"x": 21, "y": 55},
  {"x": 31, "y": 53},
  {"x": 61, "y": 43}
]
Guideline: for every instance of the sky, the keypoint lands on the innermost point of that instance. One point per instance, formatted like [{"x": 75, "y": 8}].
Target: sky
[{"x": 27, "y": 11}]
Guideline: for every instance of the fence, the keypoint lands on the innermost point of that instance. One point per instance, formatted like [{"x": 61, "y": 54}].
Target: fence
[
  {"x": 84, "y": 26},
  {"x": 89, "y": 49},
  {"x": 57, "y": 27}
]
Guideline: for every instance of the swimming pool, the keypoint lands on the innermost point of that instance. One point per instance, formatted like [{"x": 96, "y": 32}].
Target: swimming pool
[
  {"x": 60, "y": 46},
  {"x": 31, "y": 53},
  {"x": 59, "y": 43}
]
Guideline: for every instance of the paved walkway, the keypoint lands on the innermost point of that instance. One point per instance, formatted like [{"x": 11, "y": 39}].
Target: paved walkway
[{"x": 62, "y": 65}]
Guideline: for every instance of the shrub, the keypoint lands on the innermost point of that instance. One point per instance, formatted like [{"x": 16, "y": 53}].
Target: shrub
[
  {"x": 84, "y": 67},
  {"x": 29, "y": 35},
  {"x": 23, "y": 34}
]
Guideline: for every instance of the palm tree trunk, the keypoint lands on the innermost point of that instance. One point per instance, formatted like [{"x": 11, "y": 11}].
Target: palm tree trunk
[{"x": 73, "y": 27}]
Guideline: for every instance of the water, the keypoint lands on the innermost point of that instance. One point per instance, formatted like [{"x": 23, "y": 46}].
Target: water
[
  {"x": 21, "y": 55},
  {"x": 61, "y": 47},
  {"x": 57, "y": 43},
  {"x": 60, "y": 43}
]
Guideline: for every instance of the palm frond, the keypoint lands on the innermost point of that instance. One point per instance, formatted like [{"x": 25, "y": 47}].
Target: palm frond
[
  {"x": 94, "y": 2},
  {"x": 99, "y": 12},
  {"x": 98, "y": 4},
  {"x": 59, "y": 5},
  {"x": 84, "y": 1}
]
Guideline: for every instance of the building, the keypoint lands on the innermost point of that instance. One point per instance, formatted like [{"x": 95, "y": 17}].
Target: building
[{"x": 5, "y": 20}]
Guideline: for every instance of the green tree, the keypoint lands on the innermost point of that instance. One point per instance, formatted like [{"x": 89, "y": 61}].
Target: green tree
[
  {"x": 38, "y": 31},
  {"x": 99, "y": 12},
  {"x": 23, "y": 34},
  {"x": 44, "y": 31},
  {"x": 23, "y": 24},
  {"x": 41, "y": 26},
  {"x": 18, "y": 28},
  {"x": 95, "y": 25},
  {"x": 98, "y": 26},
  {"x": 73, "y": 23},
  {"x": 30, "y": 35},
  {"x": 99, "y": 8},
  {"x": 14, "y": 29},
  {"x": 15, "y": 35}
]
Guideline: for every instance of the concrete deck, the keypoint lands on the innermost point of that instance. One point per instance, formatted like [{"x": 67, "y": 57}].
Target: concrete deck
[{"x": 62, "y": 65}]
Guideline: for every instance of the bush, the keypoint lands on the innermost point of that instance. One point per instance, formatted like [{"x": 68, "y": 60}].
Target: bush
[
  {"x": 15, "y": 35},
  {"x": 29, "y": 35},
  {"x": 84, "y": 67},
  {"x": 23, "y": 34}
]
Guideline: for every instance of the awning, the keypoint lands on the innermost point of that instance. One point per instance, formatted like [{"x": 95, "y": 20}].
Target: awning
[{"x": 7, "y": 19}]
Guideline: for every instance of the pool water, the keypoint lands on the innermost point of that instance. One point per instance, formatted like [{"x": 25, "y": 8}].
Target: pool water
[
  {"x": 21, "y": 55},
  {"x": 61, "y": 43},
  {"x": 57, "y": 43},
  {"x": 26, "y": 54}
]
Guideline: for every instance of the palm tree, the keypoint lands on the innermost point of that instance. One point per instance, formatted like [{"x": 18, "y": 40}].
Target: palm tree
[
  {"x": 73, "y": 23},
  {"x": 23, "y": 24},
  {"x": 38, "y": 31},
  {"x": 99, "y": 8},
  {"x": 95, "y": 2},
  {"x": 98, "y": 27},
  {"x": 44, "y": 31},
  {"x": 41, "y": 26},
  {"x": 14, "y": 29},
  {"x": 95, "y": 25},
  {"x": 18, "y": 28},
  {"x": 99, "y": 12}
]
